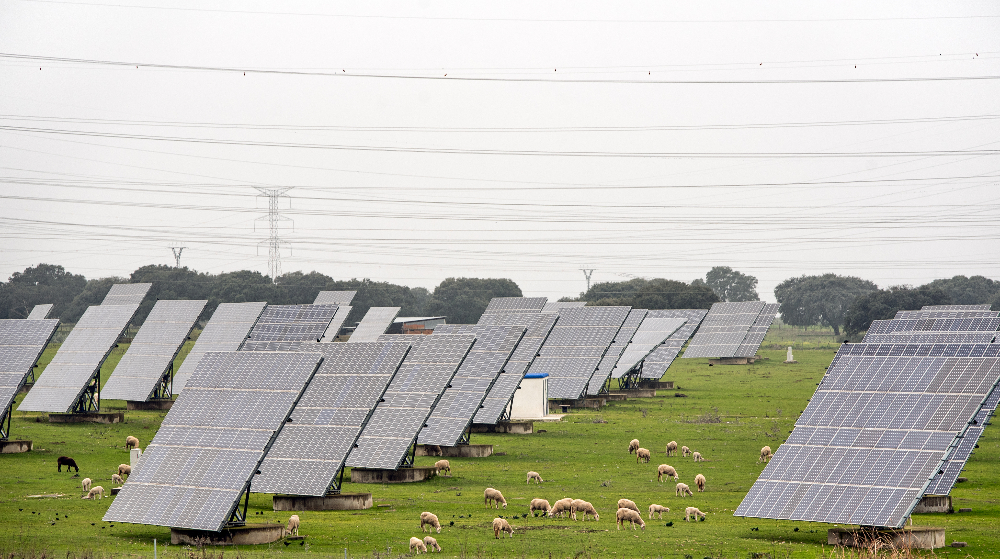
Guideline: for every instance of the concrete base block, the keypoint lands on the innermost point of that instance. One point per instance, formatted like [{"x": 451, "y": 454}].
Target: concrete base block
[
  {"x": 514, "y": 427},
  {"x": 657, "y": 384},
  {"x": 14, "y": 447},
  {"x": 637, "y": 392},
  {"x": 150, "y": 405},
  {"x": 934, "y": 503},
  {"x": 343, "y": 501},
  {"x": 912, "y": 537},
  {"x": 96, "y": 417},
  {"x": 734, "y": 361},
  {"x": 250, "y": 534},
  {"x": 615, "y": 397},
  {"x": 402, "y": 475},
  {"x": 459, "y": 451},
  {"x": 590, "y": 403}
]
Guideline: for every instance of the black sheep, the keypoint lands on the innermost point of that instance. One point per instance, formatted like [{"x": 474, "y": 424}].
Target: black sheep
[{"x": 66, "y": 461}]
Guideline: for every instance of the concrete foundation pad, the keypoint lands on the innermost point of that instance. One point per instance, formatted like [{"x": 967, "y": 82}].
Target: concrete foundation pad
[
  {"x": 250, "y": 534},
  {"x": 616, "y": 397},
  {"x": 591, "y": 403},
  {"x": 514, "y": 427},
  {"x": 402, "y": 475},
  {"x": 14, "y": 447},
  {"x": 96, "y": 417},
  {"x": 150, "y": 405},
  {"x": 934, "y": 503},
  {"x": 343, "y": 501},
  {"x": 734, "y": 361},
  {"x": 657, "y": 384},
  {"x": 912, "y": 537},
  {"x": 459, "y": 451},
  {"x": 637, "y": 392}
]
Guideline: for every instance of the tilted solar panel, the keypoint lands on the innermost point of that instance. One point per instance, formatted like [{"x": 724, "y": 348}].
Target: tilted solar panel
[
  {"x": 875, "y": 433},
  {"x": 660, "y": 359},
  {"x": 984, "y": 307},
  {"x": 412, "y": 394},
  {"x": 946, "y": 314},
  {"x": 554, "y": 306},
  {"x": 212, "y": 441},
  {"x": 40, "y": 312},
  {"x": 126, "y": 294},
  {"x": 286, "y": 323},
  {"x": 515, "y": 305},
  {"x": 310, "y": 451},
  {"x": 622, "y": 340},
  {"x": 226, "y": 331},
  {"x": 724, "y": 329},
  {"x": 79, "y": 358},
  {"x": 337, "y": 323},
  {"x": 334, "y": 297},
  {"x": 933, "y": 330},
  {"x": 652, "y": 332},
  {"x": 153, "y": 350},
  {"x": 21, "y": 344},
  {"x": 375, "y": 322},
  {"x": 963, "y": 448},
  {"x": 464, "y": 396},
  {"x": 751, "y": 343}
]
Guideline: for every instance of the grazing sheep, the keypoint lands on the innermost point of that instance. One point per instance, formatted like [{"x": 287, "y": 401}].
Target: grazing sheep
[
  {"x": 131, "y": 442},
  {"x": 699, "y": 480},
  {"x": 697, "y": 457},
  {"x": 442, "y": 466},
  {"x": 692, "y": 511},
  {"x": 95, "y": 490},
  {"x": 683, "y": 489},
  {"x": 115, "y": 478},
  {"x": 534, "y": 476},
  {"x": 539, "y": 504},
  {"x": 430, "y": 520},
  {"x": 629, "y": 515},
  {"x": 665, "y": 470},
  {"x": 642, "y": 455},
  {"x": 671, "y": 448},
  {"x": 86, "y": 483},
  {"x": 293, "y": 524},
  {"x": 431, "y": 543},
  {"x": 633, "y": 446},
  {"x": 418, "y": 545},
  {"x": 765, "y": 455},
  {"x": 685, "y": 451},
  {"x": 660, "y": 509},
  {"x": 627, "y": 504},
  {"x": 561, "y": 506},
  {"x": 586, "y": 508},
  {"x": 124, "y": 470},
  {"x": 66, "y": 461},
  {"x": 493, "y": 496},
  {"x": 501, "y": 525}
]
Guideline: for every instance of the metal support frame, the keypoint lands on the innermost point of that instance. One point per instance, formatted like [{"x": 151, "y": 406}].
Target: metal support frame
[
  {"x": 90, "y": 400},
  {"x": 239, "y": 518},
  {"x": 165, "y": 386},
  {"x": 5, "y": 422},
  {"x": 411, "y": 455},
  {"x": 631, "y": 379},
  {"x": 466, "y": 435},
  {"x": 337, "y": 483}
]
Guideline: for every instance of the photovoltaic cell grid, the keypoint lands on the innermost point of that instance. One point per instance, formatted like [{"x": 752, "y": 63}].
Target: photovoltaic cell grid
[
  {"x": 337, "y": 323},
  {"x": 288, "y": 323},
  {"x": 408, "y": 401},
  {"x": 465, "y": 393},
  {"x": 375, "y": 322},
  {"x": 875, "y": 433},
  {"x": 724, "y": 329},
  {"x": 933, "y": 330},
  {"x": 334, "y": 297},
  {"x": 226, "y": 331},
  {"x": 515, "y": 305},
  {"x": 213, "y": 439},
  {"x": 962, "y": 448},
  {"x": 326, "y": 423},
  {"x": 21, "y": 344},
  {"x": 622, "y": 339},
  {"x": 656, "y": 363},
  {"x": 984, "y": 307},
  {"x": 538, "y": 327},
  {"x": 576, "y": 346},
  {"x": 40, "y": 312},
  {"x": 751, "y": 343},
  {"x": 554, "y": 306},
  {"x": 946, "y": 314},
  {"x": 126, "y": 294},
  {"x": 152, "y": 350},
  {"x": 652, "y": 332},
  {"x": 79, "y": 358}
]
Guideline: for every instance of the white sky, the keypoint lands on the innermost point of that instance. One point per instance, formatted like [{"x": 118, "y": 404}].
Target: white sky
[{"x": 104, "y": 166}]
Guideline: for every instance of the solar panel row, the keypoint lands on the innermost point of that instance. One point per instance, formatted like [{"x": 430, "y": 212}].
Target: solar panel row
[
  {"x": 334, "y": 297},
  {"x": 40, "y": 312},
  {"x": 652, "y": 333},
  {"x": 226, "y": 331},
  {"x": 515, "y": 305},
  {"x": 622, "y": 340},
  {"x": 126, "y": 294},
  {"x": 282, "y": 323},
  {"x": 724, "y": 329},
  {"x": 375, "y": 322},
  {"x": 657, "y": 363},
  {"x": 21, "y": 344},
  {"x": 554, "y": 306},
  {"x": 751, "y": 343}
]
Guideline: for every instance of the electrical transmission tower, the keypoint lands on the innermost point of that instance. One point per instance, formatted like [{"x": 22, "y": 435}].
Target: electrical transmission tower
[
  {"x": 177, "y": 255},
  {"x": 587, "y": 272},
  {"x": 274, "y": 220}
]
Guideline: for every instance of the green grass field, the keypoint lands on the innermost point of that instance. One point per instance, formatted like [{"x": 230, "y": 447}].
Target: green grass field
[{"x": 728, "y": 414}]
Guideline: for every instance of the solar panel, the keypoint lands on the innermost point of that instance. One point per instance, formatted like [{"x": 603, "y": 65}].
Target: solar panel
[
  {"x": 751, "y": 343},
  {"x": 652, "y": 332},
  {"x": 984, "y": 307},
  {"x": 139, "y": 375},
  {"x": 310, "y": 451},
  {"x": 376, "y": 321},
  {"x": 287, "y": 323},
  {"x": 963, "y": 448},
  {"x": 337, "y": 323},
  {"x": 209, "y": 446},
  {"x": 412, "y": 339},
  {"x": 933, "y": 330},
  {"x": 21, "y": 344},
  {"x": 126, "y": 294},
  {"x": 464, "y": 396},
  {"x": 40, "y": 312},
  {"x": 622, "y": 340},
  {"x": 226, "y": 331},
  {"x": 946, "y": 314},
  {"x": 515, "y": 305},
  {"x": 334, "y": 297},
  {"x": 725, "y": 327},
  {"x": 554, "y": 306},
  {"x": 78, "y": 360},
  {"x": 576, "y": 346},
  {"x": 412, "y": 394},
  {"x": 660, "y": 359},
  {"x": 875, "y": 433}
]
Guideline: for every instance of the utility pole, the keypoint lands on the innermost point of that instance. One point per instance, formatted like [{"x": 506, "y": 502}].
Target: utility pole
[
  {"x": 274, "y": 219},
  {"x": 177, "y": 255},
  {"x": 587, "y": 272}
]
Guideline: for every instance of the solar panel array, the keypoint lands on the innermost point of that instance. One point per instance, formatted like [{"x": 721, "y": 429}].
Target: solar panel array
[
  {"x": 288, "y": 323},
  {"x": 622, "y": 340},
  {"x": 40, "y": 312},
  {"x": 326, "y": 423},
  {"x": 211, "y": 443},
  {"x": 465, "y": 393},
  {"x": 408, "y": 401},
  {"x": 126, "y": 294},
  {"x": 334, "y": 297},
  {"x": 79, "y": 358},
  {"x": 576, "y": 346},
  {"x": 933, "y": 330},
  {"x": 724, "y": 329},
  {"x": 226, "y": 331},
  {"x": 751, "y": 343},
  {"x": 337, "y": 323},
  {"x": 875, "y": 433},
  {"x": 652, "y": 332},
  {"x": 515, "y": 305},
  {"x": 375, "y": 322},
  {"x": 946, "y": 314},
  {"x": 963, "y": 448},
  {"x": 554, "y": 306},
  {"x": 984, "y": 307},
  {"x": 660, "y": 359},
  {"x": 152, "y": 350},
  {"x": 538, "y": 326},
  {"x": 21, "y": 344}
]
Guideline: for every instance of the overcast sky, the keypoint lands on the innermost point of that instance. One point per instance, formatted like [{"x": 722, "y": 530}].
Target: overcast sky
[{"x": 431, "y": 140}]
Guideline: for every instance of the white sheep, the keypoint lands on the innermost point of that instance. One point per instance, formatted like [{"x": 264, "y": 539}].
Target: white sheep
[
  {"x": 692, "y": 511},
  {"x": 579, "y": 505},
  {"x": 671, "y": 448},
  {"x": 657, "y": 509},
  {"x": 431, "y": 543},
  {"x": 86, "y": 483},
  {"x": 430, "y": 520},
  {"x": 492, "y": 496},
  {"x": 627, "y": 504},
  {"x": 124, "y": 470},
  {"x": 685, "y": 451},
  {"x": 629, "y": 515},
  {"x": 683, "y": 489},
  {"x": 698, "y": 457},
  {"x": 699, "y": 480},
  {"x": 293, "y": 525},
  {"x": 131, "y": 442},
  {"x": 442, "y": 466},
  {"x": 539, "y": 504},
  {"x": 765, "y": 455},
  {"x": 561, "y": 506},
  {"x": 501, "y": 525},
  {"x": 534, "y": 476},
  {"x": 418, "y": 545},
  {"x": 666, "y": 470},
  {"x": 633, "y": 446},
  {"x": 642, "y": 455},
  {"x": 115, "y": 478},
  {"x": 95, "y": 490}
]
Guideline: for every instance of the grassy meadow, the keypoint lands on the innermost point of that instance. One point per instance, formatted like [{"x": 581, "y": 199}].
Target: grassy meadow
[{"x": 728, "y": 413}]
